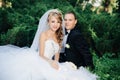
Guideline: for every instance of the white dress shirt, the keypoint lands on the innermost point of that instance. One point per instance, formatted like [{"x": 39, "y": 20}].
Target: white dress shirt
[{"x": 64, "y": 42}]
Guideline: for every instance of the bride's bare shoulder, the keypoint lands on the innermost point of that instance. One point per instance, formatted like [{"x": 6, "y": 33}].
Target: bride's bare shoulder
[{"x": 43, "y": 35}]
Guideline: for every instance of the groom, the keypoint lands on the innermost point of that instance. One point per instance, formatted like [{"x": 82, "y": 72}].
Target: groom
[{"x": 76, "y": 49}]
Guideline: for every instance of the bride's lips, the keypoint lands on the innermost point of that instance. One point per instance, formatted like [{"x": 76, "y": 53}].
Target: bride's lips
[{"x": 55, "y": 27}]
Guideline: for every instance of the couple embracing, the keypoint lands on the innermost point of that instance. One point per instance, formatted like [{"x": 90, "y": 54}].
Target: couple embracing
[{"x": 70, "y": 52}]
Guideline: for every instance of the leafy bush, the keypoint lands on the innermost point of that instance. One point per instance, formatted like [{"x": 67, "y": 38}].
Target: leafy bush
[
  {"x": 107, "y": 68},
  {"x": 19, "y": 36},
  {"x": 4, "y": 22}
]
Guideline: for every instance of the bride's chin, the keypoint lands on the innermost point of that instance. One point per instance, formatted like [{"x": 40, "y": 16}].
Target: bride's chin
[{"x": 54, "y": 30}]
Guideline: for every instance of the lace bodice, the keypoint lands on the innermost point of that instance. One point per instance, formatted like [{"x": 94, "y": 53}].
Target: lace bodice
[{"x": 51, "y": 48}]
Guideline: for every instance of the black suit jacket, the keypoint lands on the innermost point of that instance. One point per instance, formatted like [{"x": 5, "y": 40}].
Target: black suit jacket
[{"x": 78, "y": 50}]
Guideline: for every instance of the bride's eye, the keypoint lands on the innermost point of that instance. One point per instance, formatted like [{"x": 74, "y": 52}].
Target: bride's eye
[
  {"x": 53, "y": 21},
  {"x": 58, "y": 22}
]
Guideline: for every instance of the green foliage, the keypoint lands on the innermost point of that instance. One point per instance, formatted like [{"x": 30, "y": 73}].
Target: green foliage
[
  {"x": 4, "y": 22},
  {"x": 18, "y": 36},
  {"x": 106, "y": 29},
  {"x": 107, "y": 68}
]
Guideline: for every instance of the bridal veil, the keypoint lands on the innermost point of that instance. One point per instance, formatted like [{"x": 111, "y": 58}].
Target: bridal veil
[{"x": 41, "y": 28}]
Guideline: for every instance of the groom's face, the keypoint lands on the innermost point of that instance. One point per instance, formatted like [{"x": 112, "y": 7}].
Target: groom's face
[{"x": 70, "y": 21}]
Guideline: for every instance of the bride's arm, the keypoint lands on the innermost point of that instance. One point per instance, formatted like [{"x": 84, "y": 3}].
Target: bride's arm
[
  {"x": 42, "y": 46},
  {"x": 56, "y": 57},
  {"x": 55, "y": 62}
]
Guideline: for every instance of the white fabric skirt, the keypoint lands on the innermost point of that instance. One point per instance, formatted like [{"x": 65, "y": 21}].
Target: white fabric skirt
[{"x": 25, "y": 64}]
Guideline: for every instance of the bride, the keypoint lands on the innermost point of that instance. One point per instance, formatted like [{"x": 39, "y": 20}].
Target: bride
[{"x": 36, "y": 62}]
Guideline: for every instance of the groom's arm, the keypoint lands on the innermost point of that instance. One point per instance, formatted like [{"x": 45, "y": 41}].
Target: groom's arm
[{"x": 83, "y": 49}]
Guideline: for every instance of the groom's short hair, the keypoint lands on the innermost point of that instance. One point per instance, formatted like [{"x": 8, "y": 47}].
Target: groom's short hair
[{"x": 72, "y": 12}]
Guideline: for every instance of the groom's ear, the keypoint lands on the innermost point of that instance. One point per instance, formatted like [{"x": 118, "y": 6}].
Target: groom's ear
[{"x": 76, "y": 21}]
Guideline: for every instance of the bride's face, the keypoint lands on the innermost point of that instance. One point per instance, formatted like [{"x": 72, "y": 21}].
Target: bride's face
[{"x": 54, "y": 24}]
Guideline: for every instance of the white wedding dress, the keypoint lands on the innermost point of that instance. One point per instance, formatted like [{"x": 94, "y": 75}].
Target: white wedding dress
[{"x": 25, "y": 64}]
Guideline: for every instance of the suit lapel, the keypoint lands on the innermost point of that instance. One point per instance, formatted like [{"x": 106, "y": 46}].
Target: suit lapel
[{"x": 69, "y": 36}]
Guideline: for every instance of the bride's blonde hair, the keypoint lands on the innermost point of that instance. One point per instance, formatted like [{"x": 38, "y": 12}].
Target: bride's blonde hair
[{"x": 59, "y": 32}]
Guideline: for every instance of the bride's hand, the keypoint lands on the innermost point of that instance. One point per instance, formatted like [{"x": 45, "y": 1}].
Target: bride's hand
[{"x": 54, "y": 64}]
